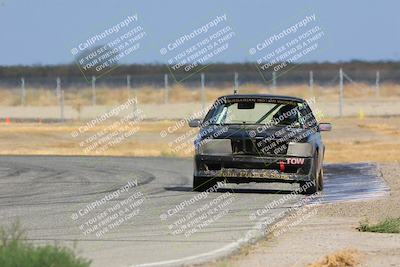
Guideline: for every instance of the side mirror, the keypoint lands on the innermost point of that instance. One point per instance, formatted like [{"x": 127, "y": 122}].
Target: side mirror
[
  {"x": 195, "y": 123},
  {"x": 325, "y": 127}
]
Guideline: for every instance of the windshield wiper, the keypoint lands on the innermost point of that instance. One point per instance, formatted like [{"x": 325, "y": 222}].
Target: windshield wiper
[{"x": 267, "y": 114}]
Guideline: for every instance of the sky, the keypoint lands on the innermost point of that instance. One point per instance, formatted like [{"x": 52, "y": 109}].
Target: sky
[{"x": 45, "y": 31}]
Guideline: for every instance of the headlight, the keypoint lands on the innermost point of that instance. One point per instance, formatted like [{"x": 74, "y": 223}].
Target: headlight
[
  {"x": 300, "y": 149},
  {"x": 214, "y": 147}
]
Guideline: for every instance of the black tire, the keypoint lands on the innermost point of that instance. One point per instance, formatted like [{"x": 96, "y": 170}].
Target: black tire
[
  {"x": 201, "y": 184},
  {"x": 312, "y": 187},
  {"x": 321, "y": 180}
]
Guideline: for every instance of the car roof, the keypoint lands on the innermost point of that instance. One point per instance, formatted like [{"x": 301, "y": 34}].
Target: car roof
[{"x": 278, "y": 97}]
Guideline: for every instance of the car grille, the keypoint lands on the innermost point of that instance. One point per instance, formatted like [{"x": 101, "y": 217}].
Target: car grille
[{"x": 258, "y": 147}]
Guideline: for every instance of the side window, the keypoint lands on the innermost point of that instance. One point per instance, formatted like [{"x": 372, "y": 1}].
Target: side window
[
  {"x": 213, "y": 114},
  {"x": 307, "y": 118}
]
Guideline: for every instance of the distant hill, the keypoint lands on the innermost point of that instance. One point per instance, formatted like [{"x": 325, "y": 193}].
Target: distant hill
[{"x": 217, "y": 74}]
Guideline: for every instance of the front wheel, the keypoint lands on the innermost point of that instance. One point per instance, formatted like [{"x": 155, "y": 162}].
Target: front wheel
[
  {"x": 321, "y": 180},
  {"x": 310, "y": 187},
  {"x": 316, "y": 183}
]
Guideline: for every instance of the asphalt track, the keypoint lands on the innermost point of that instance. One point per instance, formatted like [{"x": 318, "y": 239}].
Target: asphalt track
[{"x": 48, "y": 194}]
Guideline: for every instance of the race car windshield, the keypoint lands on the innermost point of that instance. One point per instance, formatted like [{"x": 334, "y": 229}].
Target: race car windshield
[{"x": 256, "y": 113}]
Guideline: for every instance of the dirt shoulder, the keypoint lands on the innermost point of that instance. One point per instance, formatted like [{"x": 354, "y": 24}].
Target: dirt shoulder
[{"x": 331, "y": 228}]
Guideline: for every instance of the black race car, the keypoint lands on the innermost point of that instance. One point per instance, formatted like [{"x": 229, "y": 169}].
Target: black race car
[{"x": 259, "y": 138}]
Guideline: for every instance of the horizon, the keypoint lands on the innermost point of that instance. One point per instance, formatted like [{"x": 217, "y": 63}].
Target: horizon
[{"x": 353, "y": 61}]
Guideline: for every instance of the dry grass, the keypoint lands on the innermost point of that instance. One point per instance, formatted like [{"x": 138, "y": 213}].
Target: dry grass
[
  {"x": 362, "y": 151},
  {"x": 56, "y": 139},
  {"x": 352, "y": 140},
  {"x": 343, "y": 258},
  {"x": 178, "y": 93},
  {"x": 383, "y": 128},
  {"x": 363, "y": 140}
]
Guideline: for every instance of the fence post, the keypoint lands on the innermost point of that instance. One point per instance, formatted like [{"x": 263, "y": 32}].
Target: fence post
[
  {"x": 377, "y": 87},
  {"x": 340, "y": 92},
  {"x": 203, "y": 92},
  {"x": 58, "y": 89},
  {"x": 93, "y": 90},
  {"x": 23, "y": 92},
  {"x": 236, "y": 82},
  {"x": 166, "y": 89},
  {"x": 274, "y": 82},
  {"x": 311, "y": 84},
  {"x": 128, "y": 85},
  {"x": 62, "y": 106}
]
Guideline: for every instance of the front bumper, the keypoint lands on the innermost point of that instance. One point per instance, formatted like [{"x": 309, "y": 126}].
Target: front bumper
[{"x": 248, "y": 168}]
